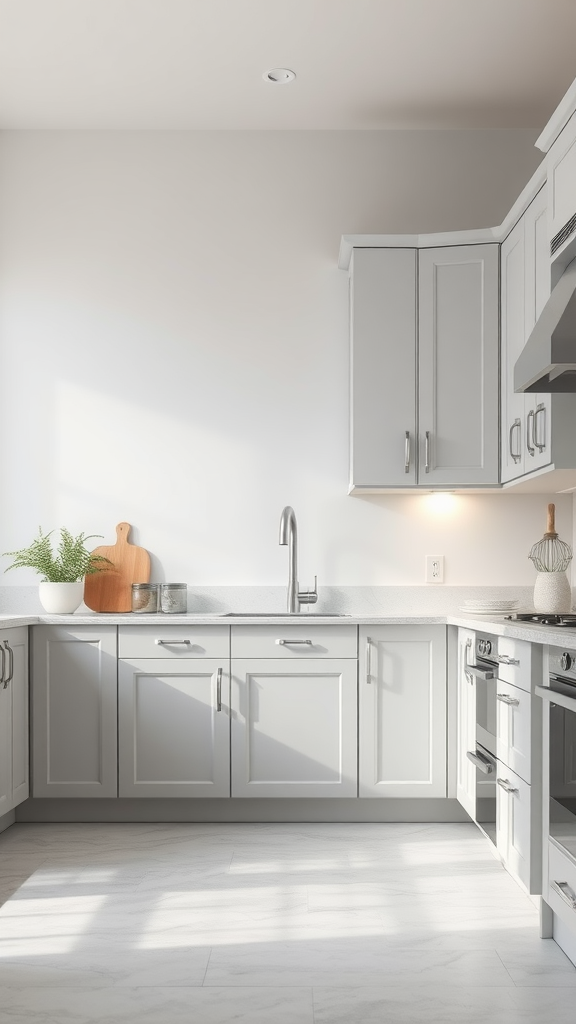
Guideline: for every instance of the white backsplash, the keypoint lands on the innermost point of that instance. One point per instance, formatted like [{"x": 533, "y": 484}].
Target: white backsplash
[{"x": 369, "y": 601}]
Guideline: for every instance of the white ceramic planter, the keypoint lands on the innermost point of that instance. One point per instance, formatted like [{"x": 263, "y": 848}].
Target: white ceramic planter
[
  {"x": 61, "y": 598},
  {"x": 552, "y": 593}
]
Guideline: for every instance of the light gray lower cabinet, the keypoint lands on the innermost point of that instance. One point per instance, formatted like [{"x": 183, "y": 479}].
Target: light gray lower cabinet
[
  {"x": 74, "y": 711},
  {"x": 174, "y": 728},
  {"x": 402, "y": 707},
  {"x": 294, "y": 727},
  {"x": 14, "y": 726}
]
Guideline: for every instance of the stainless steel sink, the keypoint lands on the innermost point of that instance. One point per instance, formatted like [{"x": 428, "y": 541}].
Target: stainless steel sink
[{"x": 288, "y": 615}]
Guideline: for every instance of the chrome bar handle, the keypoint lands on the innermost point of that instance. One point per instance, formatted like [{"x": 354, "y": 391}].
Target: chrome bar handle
[
  {"x": 565, "y": 893},
  {"x": 368, "y": 659},
  {"x": 478, "y": 673},
  {"x": 505, "y": 659},
  {"x": 512, "y": 701},
  {"x": 407, "y": 452},
  {"x": 2, "y": 670},
  {"x": 505, "y": 785},
  {"x": 219, "y": 690},
  {"x": 10, "y": 675},
  {"x": 170, "y": 643},
  {"x": 540, "y": 410},
  {"x": 530, "y": 422},
  {"x": 427, "y": 451},
  {"x": 515, "y": 455},
  {"x": 288, "y": 643},
  {"x": 482, "y": 763}
]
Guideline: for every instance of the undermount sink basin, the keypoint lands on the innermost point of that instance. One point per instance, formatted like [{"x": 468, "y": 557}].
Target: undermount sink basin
[{"x": 288, "y": 615}]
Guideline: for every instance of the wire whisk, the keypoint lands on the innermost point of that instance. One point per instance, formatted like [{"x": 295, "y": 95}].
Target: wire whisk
[{"x": 551, "y": 554}]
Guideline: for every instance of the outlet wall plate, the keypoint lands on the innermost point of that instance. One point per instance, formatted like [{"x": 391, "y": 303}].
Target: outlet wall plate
[{"x": 434, "y": 569}]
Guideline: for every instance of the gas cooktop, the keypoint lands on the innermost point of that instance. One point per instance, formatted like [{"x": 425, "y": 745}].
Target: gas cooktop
[{"x": 544, "y": 619}]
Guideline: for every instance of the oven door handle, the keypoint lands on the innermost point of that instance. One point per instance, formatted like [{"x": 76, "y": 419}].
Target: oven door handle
[
  {"x": 556, "y": 698},
  {"x": 482, "y": 763},
  {"x": 479, "y": 673}
]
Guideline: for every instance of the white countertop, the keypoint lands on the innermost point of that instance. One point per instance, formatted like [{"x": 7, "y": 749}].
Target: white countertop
[{"x": 499, "y": 626}]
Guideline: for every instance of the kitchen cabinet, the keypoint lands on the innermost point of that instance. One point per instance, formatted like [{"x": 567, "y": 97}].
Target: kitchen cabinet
[
  {"x": 173, "y": 711},
  {"x": 402, "y": 711},
  {"x": 466, "y": 773},
  {"x": 74, "y": 711},
  {"x": 561, "y": 186},
  {"x": 13, "y": 718},
  {"x": 518, "y": 829},
  {"x": 424, "y": 357},
  {"x": 533, "y": 425},
  {"x": 294, "y": 711}
]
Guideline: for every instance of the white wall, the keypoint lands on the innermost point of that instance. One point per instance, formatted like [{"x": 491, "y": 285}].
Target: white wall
[{"x": 174, "y": 347}]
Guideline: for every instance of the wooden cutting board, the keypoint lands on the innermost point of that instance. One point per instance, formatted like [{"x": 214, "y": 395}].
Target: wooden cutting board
[{"x": 111, "y": 590}]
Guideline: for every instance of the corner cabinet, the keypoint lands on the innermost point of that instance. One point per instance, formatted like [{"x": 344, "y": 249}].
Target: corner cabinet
[
  {"x": 424, "y": 356},
  {"x": 74, "y": 711},
  {"x": 402, "y": 711}
]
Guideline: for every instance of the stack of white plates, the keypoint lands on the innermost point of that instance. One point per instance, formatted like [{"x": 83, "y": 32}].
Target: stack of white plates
[{"x": 486, "y": 607}]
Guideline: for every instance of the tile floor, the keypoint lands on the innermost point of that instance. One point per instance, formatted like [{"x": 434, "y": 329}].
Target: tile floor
[{"x": 269, "y": 924}]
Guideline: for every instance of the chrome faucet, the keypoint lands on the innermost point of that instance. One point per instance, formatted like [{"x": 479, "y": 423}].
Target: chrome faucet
[{"x": 289, "y": 536}]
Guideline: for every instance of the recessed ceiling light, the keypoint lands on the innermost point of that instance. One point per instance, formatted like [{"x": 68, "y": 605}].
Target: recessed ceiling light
[{"x": 279, "y": 76}]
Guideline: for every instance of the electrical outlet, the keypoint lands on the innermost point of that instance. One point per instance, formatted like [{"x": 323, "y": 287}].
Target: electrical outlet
[{"x": 434, "y": 568}]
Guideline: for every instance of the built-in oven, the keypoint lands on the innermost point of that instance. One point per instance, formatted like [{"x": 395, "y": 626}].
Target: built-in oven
[
  {"x": 560, "y": 723},
  {"x": 481, "y": 672}
]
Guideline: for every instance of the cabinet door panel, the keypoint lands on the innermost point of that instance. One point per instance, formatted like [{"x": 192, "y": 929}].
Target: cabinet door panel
[
  {"x": 514, "y": 728},
  {"x": 402, "y": 687},
  {"x": 513, "y": 314},
  {"x": 18, "y": 640},
  {"x": 513, "y": 829},
  {"x": 173, "y": 740},
  {"x": 458, "y": 365},
  {"x": 383, "y": 364},
  {"x": 74, "y": 711},
  {"x": 537, "y": 292},
  {"x": 466, "y": 725},
  {"x": 294, "y": 728},
  {"x": 5, "y": 751}
]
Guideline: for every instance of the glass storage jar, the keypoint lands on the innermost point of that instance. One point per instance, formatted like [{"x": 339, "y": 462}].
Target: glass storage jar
[
  {"x": 144, "y": 597},
  {"x": 174, "y": 598}
]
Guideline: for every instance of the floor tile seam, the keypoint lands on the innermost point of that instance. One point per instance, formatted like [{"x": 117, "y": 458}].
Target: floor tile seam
[
  {"x": 507, "y": 971},
  {"x": 203, "y": 983}
]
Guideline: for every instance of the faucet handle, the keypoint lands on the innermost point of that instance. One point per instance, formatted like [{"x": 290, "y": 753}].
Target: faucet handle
[{"x": 309, "y": 596}]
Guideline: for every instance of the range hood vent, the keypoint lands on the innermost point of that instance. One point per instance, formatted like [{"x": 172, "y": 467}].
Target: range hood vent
[
  {"x": 547, "y": 362},
  {"x": 563, "y": 235}
]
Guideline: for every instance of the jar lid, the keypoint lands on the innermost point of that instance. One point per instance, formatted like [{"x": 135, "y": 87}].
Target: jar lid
[
  {"x": 144, "y": 586},
  {"x": 174, "y": 586}
]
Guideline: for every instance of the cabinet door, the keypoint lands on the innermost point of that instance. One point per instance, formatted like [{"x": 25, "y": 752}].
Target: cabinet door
[
  {"x": 174, "y": 728},
  {"x": 16, "y": 641},
  {"x": 514, "y": 728},
  {"x": 402, "y": 707},
  {"x": 74, "y": 711},
  {"x": 466, "y": 725},
  {"x": 514, "y": 839},
  {"x": 383, "y": 368},
  {"x": 294, "y": 728},
  {"x": 5, "y": 749},
  {"x": 458, "y": 365},
  {"x": 561, "y": 179},
  {"x": 538, "y": 408},
  {"x": 513, "y": 312}
]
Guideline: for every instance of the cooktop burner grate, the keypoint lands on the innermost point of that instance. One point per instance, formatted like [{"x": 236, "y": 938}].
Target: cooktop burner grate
[{"x": 544, "y": 619}]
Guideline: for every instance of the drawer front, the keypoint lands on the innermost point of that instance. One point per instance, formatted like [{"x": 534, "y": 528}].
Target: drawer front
[
  {"x": 160, "y": 641},
  {"x": 516, "y": 659},
  {"x": 561, "y": 885},
  {"x": 513, "y": 728},
  {"x": 514, "y": 827},
  {"x": 295, "y": 640}
]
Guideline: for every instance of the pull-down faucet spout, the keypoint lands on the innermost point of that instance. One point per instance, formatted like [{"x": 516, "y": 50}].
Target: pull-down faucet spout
[{"x": 289, "y": 536}]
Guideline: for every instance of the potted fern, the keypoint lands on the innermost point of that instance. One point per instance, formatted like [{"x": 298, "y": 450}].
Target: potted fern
[{"x": 62, "y": 586}]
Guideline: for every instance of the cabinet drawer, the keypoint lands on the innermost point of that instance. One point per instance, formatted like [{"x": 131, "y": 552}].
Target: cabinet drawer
[
  {"x": 513, "y": 728},
  {"x": 514, "y": 828},
  {"x": 562, "y": 871},
  {"x": 295, "y": 640},
  {"x": 516, "y": 659},
  {"x": 160, "y": 641}
]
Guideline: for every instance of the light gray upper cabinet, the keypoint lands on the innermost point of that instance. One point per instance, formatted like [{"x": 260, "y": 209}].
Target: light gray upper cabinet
[
  {"x": 74, "y": 711},
  {"x": 424, "y": 343},
  {"x": 458, "y": 365},
  {"x": 383, "y": 313}
]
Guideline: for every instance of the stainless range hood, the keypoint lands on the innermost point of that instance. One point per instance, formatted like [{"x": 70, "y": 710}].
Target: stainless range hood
[{"x": 547, "y": 362}]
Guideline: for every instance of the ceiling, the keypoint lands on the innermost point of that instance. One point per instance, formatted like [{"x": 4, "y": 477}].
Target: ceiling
[{"x": 360, "y": 64}]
